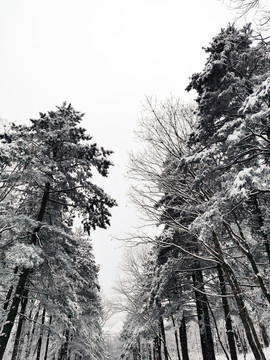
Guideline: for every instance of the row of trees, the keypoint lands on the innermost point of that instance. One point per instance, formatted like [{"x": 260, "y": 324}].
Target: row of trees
[
  {"x": 204, "y": 181},
  {"x": 50, "y": 304}
]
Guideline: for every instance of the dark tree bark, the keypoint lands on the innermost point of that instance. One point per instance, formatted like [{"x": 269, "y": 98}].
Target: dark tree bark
[
  {"x": 39, "y": 344},
  {"x": 157, "y": 348},
  {"x": 176, "y": 338},
  {"x": 217, "y": 331},
  {"x": 7, "y": 328},
  {"x": 264, "y": 334},
  {"x": 149, "y": 351},
  {"x": 246, "y": 251},
  {"x": 261, "y": 224},
  {"x": 206, "y": 337},
  {"x": 31, "y": 335},
  {"x": 242, "y": 345},
  {"x": 20, "y": 326},
  {"x": 163, "y": 337},
  {"x": 250, "y": 331},
  {"x": 139, "y": 348},
  {"x": 154, "y": 349},
  {"x": 227, "y": 315},
  {"x": 251, "y": 334},
  {"x": 63, "y": 353},
  {"x": 48, "y": 340},
  {"x": 9, "y": 293},
  {"x": 134, "y": 354},
  {"x": 8, "y": 325},
  {"x": 8, "y": 297},
  {"x": 183, "y": 338}
]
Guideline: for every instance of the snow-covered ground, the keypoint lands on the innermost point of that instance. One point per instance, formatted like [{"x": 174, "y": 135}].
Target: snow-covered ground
[
  {"x": 248, "y": 357},
  {"x": 240, "y": 357}
]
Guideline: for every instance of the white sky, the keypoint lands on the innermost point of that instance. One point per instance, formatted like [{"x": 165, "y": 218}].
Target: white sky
[{"x": 103, "y": 56}]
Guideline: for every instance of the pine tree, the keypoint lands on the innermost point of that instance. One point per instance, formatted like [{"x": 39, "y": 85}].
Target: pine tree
[
  {"x": 230, "y": 150},
  {"x": 47, "y": 169}
]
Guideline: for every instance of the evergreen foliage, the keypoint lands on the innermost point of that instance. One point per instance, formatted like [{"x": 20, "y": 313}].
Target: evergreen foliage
[
  {"x": 209, "y": 195},
  {"x": 49, "y": 278}
]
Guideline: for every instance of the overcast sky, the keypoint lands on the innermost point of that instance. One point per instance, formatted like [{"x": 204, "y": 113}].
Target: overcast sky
[{"x": 102, "y": 56}]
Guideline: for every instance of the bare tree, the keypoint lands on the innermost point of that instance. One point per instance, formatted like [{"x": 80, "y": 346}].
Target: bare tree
[
  {"x": 257, "y": 10},
  {"x": 162, "y": 133}
]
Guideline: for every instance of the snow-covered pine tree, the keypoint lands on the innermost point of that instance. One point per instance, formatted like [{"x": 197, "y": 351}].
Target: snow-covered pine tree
[
  {"x": 231, "y": 152},
  {"x": 46, "y": 171},
  {"x": 233, "y": 68}
]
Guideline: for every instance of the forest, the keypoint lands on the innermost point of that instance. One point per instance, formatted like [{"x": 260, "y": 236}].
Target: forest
[
  {"x": 203, "y": 177},
  {"x": 196, "y": 283}
]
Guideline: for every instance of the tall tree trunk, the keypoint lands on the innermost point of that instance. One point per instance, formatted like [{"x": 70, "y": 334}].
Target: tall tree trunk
[
  {"x": 261, "y": 224},
  {"x": 7, "y": 328},
  {"x": 154, "y": 348},
  {"x": 251, "y": 334},
  {"x": 63, "y": 354},
  {"x": 250, "y": 331},
  {"x": 31, "y": 335},
  {"x": 20, "y": 325},
  {"x": 176, "y": 338},
  {"x": 163, "y": 337},
  {"x": 227, "y": 314},
  {"x": 8, "y": 297},
  {"x": 242, "y": 345},
  {"x": 39, "y": 344},
  {"x": 206, "y": 337},
  {"x": 183, "y": 338},
  {"x": 217, "y": 331},
  {"x": 149, "y": 350},
  {"x": 9, "y": 293},
  {"x": 48, "y": 340},
  {"x": 139, "y": 347},
  {"x": 8, "y": 325},
  {"x": 264, "y": 334},
  {"x": 134, "y": 353},
  {"x": 245, "y": 249},
  {"x": 157, "y": 348}
]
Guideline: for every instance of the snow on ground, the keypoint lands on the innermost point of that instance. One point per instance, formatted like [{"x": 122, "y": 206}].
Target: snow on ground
[
  {"x": 240, "y": 357},
  {"x": 248, "y": 357}
]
